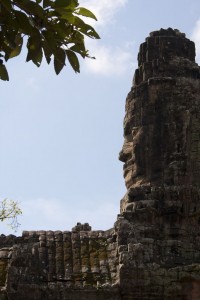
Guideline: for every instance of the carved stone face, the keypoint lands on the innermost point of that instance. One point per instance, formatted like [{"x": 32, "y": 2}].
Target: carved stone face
[{"x": 162, "y": 114}]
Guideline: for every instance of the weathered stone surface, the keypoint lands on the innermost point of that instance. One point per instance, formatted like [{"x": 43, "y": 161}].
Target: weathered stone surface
[
  {"x": 60, "y": 265},
  {"x": 153, "y": 251},
  {"x": 160, "y": 213}
]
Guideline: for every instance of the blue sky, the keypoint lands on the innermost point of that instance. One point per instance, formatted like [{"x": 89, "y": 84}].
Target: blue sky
[{"x": 60, "y": 135}]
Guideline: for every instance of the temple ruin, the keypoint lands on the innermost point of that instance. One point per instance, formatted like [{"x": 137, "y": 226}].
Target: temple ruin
[{"x": 153, "y": 250}]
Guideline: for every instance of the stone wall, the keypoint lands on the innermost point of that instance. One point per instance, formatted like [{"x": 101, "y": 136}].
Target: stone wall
[
  {"x": 153, "y": 250},
  {"x": 81, "y": 264}
]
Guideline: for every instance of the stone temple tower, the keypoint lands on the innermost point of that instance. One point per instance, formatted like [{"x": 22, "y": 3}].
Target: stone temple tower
[
  {"x": 153, "y": 250},
  {"x": 161, "y": 155}
]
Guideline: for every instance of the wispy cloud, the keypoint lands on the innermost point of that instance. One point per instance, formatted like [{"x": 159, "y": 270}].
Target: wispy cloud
[
  {"x": 104, "y": 10},
  {"x": 196, "y": 38},
  {"x": 110, "y": 61}
]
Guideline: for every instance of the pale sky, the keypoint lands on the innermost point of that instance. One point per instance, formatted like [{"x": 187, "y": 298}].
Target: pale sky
[{"x": 60, "y": 135}]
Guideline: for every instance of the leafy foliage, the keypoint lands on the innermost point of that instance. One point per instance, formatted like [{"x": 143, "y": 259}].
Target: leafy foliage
[
  {"x": 9, "y": 210},
  {"x": 53, "y": 29}
]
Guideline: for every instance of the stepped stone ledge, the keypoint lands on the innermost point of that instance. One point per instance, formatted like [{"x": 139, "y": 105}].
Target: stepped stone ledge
[{"x": 153, "y": 250}]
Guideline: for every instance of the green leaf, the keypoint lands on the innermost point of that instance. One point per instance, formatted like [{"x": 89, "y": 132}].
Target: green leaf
[
  {"x": 51, "y": 26},
  {"x": 10, "y": 39},
  {"x": 59, "y": 60},
  {"x": 24, "y": 23},
  {"x": 47, "y": 3},
  {"x": 17, "y": 50},
  {"x": 81, "y": 25},
  {"x": 10, "y": 22},
  {"x": 6, "y": 49},
  {"x": 37, "y": 59},
  {"x": 30, "y": 7},
  {"x": 69, "y": 4},
  {"x": 80, "y": 49},
  {"x": 7, "y": 4},
  {"x": 77, "y": 37},
  {"x": 35, "y": 53},
  {"x": 73, "y": 60},
  {"x": 3, "y": 73},
  {"x": 50, "y": 39},
  {"x": 47, "y": 51},
  {"x": 89, "y": 31},
  {"x": 85, "y": 12},
  {"x": 65, "y": 14}
]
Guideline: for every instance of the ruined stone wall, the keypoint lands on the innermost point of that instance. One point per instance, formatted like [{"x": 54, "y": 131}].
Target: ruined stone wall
[
  {"x": 81, "y": 264},
  {"x": 153, "y": 250}
]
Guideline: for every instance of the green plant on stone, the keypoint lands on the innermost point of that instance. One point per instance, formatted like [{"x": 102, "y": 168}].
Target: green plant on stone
[{"x": 9, "y": 211}]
